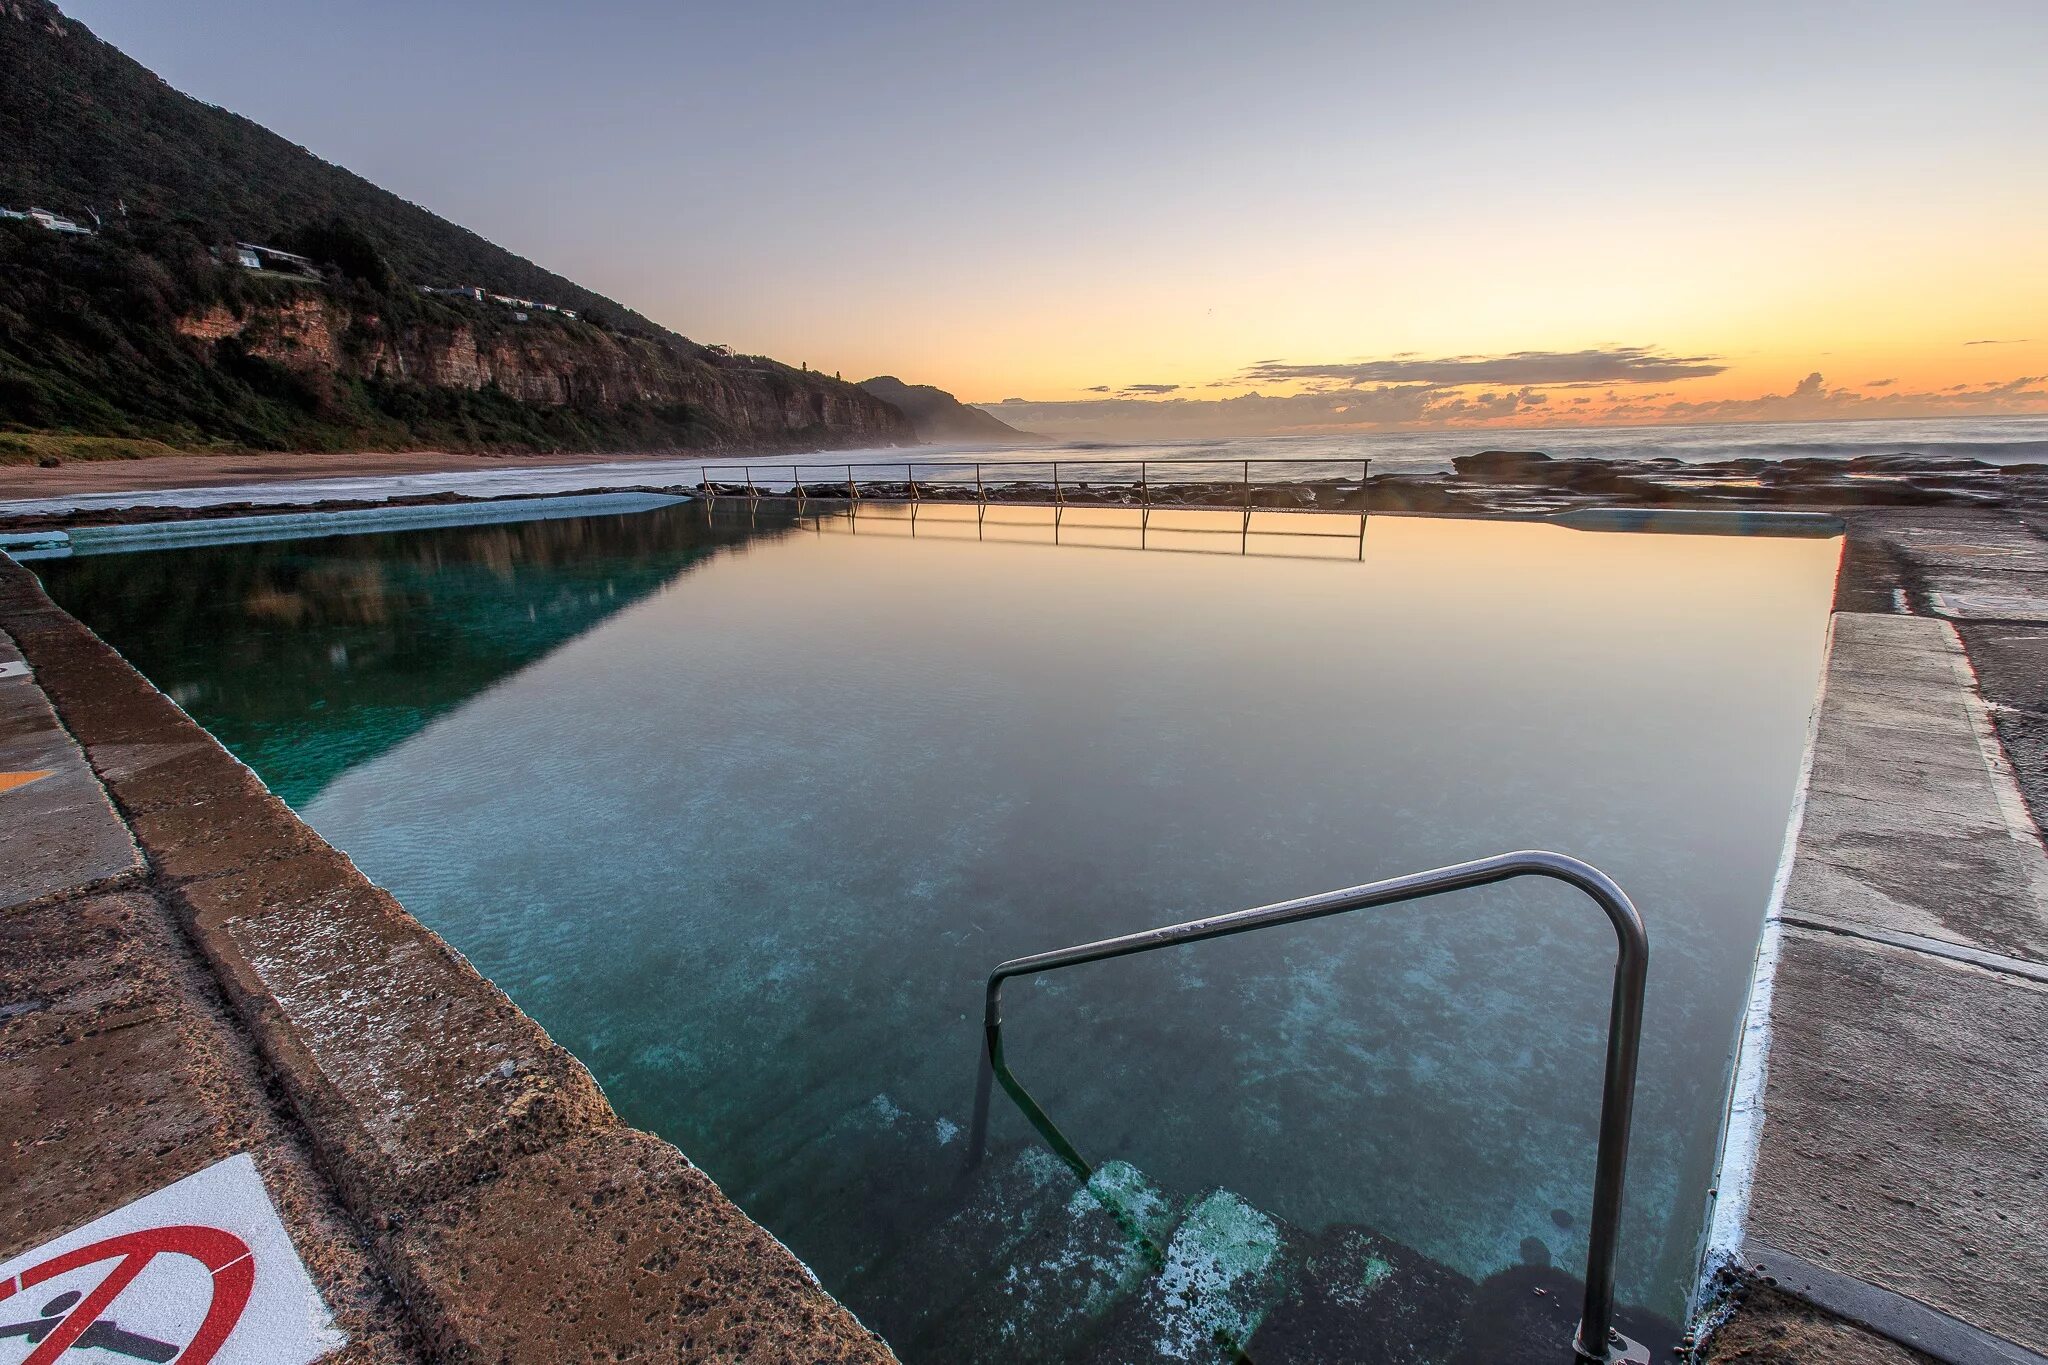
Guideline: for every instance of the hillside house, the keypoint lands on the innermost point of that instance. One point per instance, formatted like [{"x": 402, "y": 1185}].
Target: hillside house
[
  {"x": 55, "y": 222},
  {"x": 257, "y": 257}
]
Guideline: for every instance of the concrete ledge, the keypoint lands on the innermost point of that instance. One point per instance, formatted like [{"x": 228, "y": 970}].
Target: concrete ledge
[
  {"x": 62, "y": 837},
  {"x": 1897, "y": 1318},
  {"x": 123, "y": 1074},
  {"x": 448, "y": 1121},
  {"x": 1906, "y": 1104},
  {"x": 1887, "y": 1157},
  {"x": 601, "y": 1246},
  {"x": 154, "y": 535}
]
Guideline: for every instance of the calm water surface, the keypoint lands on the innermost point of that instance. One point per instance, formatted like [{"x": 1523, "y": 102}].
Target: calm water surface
[{"x": 743, "y": 811}]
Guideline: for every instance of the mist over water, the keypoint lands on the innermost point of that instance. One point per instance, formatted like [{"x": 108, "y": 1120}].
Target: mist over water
[{"x": 2003, "y": 441}]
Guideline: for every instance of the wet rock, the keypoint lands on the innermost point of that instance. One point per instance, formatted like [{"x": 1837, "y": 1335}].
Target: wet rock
[{"x": 1503, "y": 466}]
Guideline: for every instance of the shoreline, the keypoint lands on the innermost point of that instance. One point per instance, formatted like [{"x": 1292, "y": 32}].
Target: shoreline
[{"x": 1486, "y": 483}]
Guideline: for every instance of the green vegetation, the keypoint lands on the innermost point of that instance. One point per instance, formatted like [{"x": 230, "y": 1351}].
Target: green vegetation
[
  {"x": 85, "y": 128},
  {"x": 55, "y": 448},
  {"x": 151, "y": 332},
  {"x": 89, "y": 347}
]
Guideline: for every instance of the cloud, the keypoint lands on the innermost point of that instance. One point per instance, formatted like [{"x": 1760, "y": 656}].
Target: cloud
[
  {"x": 1098, "y": 388},
  {"x": 1999, "y": 341},
  {"x": 1135, "y": 390},
  {"x": 1879, "y": 383},
  {"x": 1812, "y": 400},
  {"x": 1538, "y": 369},
  {"x": 1412, "y": 406}
]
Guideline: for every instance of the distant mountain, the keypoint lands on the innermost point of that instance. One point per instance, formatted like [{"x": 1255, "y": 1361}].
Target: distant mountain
[
  {"x": 938, "y": 415},
  {"x": 153, "y": 328}
]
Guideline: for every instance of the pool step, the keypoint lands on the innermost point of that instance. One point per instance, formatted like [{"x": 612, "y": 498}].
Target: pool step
[
  {"x": 1078, "y": 1264},
  {"x": 998, "y": 1207},
  {"x": 1224, "y": 1269},
  {"x": 1357, "y": 1296},
  {"x": 1018, "y": 1261},
  {"x": 832, "y": 1221}
]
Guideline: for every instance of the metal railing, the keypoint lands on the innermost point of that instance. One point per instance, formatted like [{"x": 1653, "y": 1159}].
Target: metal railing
[
  {"x": 903, "y": 483},
  {"x": 1596, "y": 1339}
]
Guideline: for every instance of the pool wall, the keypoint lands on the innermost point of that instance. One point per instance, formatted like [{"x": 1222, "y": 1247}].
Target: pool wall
[
  {"x": 483, "y": 1169},
  {"x": 1742, "y": 1130},
  {"x": 158, "y": 535}
]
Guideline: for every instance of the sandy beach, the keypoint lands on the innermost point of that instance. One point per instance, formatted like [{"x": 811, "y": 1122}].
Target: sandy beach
[{"x": 207, "y": 471}]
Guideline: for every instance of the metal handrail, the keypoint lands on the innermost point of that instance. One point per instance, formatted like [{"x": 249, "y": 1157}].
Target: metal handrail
[
  {"x": 984, "y": 495},
  {"x": 1596, "y": 1339}
]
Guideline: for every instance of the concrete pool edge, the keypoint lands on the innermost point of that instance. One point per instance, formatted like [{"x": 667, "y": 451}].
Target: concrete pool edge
[
  {"x": 1742, "y": 1128},
  {"x": 475, "y": 1158},
  {"x": 1887, "y": 1213},
  {"x": 120, "y": 537}
]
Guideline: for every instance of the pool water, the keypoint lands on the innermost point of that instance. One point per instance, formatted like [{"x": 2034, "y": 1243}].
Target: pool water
[{"x": 743, "y": 807}]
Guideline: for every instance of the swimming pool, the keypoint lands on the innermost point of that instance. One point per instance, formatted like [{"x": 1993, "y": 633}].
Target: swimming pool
[{"x": 744, "y": 807}]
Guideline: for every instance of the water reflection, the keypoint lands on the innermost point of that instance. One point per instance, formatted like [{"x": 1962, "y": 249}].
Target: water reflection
[
  {"x": 743, "y": 808},
  {"x": 1282, "y": 535}
]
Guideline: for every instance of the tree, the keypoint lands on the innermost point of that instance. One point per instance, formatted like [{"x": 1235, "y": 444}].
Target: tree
[{"x": 345, "y": 247}]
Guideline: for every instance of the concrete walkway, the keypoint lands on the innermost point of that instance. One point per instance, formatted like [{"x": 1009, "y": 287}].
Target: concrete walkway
[
  {"x": 58, "y": 834},
  {"x": 124, "y": 1069},
  {"x": 1906, "y": 1109}
]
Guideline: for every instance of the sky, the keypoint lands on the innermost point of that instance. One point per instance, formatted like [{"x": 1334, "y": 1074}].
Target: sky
[{"x": 1200, "y": 218}]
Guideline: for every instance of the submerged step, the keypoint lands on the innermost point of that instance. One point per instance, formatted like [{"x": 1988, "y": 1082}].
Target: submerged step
[
  {"x": 1222, "y": 1273},
  {"x": 1001, "y": 1202},
  {"x": 1360, "y": 1297},
  {"x": 822, "y": 1202},
  {"x": 1077, "y": 1266}
]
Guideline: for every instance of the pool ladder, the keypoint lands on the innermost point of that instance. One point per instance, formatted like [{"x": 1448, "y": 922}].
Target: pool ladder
[{"x": 1596, "y": 1340}]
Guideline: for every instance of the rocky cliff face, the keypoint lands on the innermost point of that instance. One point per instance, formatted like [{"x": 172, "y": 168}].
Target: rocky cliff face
[
  {"x": 550, "y": 362},
  {"x": 939, "y": 416}
]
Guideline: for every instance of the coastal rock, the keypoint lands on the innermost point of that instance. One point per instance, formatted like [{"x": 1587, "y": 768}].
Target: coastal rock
[{"x": 1502, "y": 466}]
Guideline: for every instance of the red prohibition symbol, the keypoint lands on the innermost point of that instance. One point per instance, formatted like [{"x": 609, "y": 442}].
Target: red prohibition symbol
[{"x": 225, "y": 1256}]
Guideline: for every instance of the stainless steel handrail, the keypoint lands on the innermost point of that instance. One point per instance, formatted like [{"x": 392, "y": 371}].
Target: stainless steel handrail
[{"x": 1596, "y": 1339}]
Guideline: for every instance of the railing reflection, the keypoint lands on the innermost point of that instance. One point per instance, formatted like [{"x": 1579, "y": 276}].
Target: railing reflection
[{"x": 1324, "y": 536}]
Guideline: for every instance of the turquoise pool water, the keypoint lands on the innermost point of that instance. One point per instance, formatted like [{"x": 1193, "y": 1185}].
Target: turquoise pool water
[{"x": 743, "y": 809}]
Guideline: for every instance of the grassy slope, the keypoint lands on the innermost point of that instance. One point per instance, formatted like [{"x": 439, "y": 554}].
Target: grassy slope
[
  {"x": 82, "y": 126},
  {"x": 88, "y": 347}
]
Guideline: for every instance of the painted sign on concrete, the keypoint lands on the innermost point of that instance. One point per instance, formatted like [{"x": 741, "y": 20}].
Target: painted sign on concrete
[{"x": 201, "y": 1272}]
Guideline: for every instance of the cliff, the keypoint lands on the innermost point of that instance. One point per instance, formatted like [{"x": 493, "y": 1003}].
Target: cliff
[
  {"x": 939, "y": 416},
  {"x": 740, "y": 401},
  {"x": 150, "y": 329}
]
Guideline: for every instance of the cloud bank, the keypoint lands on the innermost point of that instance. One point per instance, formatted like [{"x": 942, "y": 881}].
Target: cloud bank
[
  {"x": 1546, "y": 369},
  {"x": 1522, "y": 388}
]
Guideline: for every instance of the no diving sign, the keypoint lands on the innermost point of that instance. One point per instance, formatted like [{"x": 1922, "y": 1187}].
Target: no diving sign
[{"x": 200, "y": 1271}]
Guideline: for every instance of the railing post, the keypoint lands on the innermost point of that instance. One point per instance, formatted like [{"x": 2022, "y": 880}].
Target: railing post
[
  {"x": 797, "y": 482},
  {"x": 852, "y": 490},
  {"x": 752, "y": 491},
  {"x": 910, "y": 477},
  {"x": 979, "y": 495}
]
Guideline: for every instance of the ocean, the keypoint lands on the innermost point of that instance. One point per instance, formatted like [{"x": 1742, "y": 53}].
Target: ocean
[{"x": 2000, "y": 440}]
